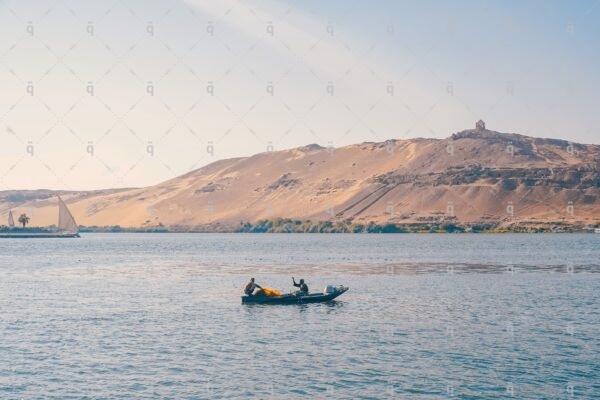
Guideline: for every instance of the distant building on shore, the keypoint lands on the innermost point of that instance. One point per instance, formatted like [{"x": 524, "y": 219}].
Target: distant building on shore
[{"x": 480, "y": 125}]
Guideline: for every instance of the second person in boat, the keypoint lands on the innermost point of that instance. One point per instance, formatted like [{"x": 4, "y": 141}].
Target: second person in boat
[{"x": 303, "y": 286}]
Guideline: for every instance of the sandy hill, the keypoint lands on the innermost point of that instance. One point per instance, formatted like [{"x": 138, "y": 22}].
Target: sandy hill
[{"x": 473, "y": 176}]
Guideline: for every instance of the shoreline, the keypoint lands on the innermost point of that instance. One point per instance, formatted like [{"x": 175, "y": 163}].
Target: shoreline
[
  {"x": 287, "y": 225},
  {"x": 530, "y": 230}
]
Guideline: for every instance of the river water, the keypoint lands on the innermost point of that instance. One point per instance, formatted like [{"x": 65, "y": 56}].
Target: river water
[{"x": 427, "y": 316}]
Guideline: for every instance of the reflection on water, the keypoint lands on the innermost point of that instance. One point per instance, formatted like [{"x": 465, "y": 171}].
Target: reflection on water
[{"x": 159, "y": 316}]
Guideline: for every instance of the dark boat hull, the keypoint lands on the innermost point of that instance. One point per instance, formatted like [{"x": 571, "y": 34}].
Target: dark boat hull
[{"x": 293, "y": 298}]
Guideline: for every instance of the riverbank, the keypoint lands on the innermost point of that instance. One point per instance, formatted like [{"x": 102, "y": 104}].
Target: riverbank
[{"x": 286, "y": 225}]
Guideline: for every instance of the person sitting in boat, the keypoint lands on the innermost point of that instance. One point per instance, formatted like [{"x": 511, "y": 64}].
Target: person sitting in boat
[
  {"x": 249, "y": 289},
  {"x": 303, "y": 286}
]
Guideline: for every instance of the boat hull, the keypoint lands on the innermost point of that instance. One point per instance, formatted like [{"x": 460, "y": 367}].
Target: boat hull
[
  {"x": 294, "y": 298},
  {"x": 38, "y": 235}
]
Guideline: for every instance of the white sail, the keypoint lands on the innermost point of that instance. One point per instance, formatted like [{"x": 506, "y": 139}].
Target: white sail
[
  {"x": 66, "y": 222},
  {"x": 11, "y": 220}
]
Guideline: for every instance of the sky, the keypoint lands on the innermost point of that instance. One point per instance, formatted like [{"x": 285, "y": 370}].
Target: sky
[{"x": 108, "y": 94}]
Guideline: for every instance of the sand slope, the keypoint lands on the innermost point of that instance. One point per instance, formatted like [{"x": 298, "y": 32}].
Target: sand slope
[{"x": 473, "y": 175}]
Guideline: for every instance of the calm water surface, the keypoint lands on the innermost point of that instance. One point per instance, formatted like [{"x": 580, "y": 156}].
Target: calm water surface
[{"x": 427, "y": 316}]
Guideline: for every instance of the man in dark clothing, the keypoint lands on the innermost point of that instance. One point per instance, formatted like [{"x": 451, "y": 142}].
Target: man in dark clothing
[
  {"x": 303, "y": 286},
  {"x": 249, "y": 289}
]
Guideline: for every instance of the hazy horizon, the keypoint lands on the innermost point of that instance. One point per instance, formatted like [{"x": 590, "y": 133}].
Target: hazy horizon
[{"x": 99, "y": 95}]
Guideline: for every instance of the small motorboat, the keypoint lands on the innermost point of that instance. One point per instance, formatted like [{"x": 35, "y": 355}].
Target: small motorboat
[{"x": 330, "y": 293}]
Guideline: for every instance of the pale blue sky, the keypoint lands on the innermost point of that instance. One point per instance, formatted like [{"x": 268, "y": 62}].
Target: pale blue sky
[{"x": 522, "y": 66}]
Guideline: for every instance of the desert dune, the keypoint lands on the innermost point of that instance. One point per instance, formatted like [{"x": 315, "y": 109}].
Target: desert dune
[{"x": 473, "y": 176}]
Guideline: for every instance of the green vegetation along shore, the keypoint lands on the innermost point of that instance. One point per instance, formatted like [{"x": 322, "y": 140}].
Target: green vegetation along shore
[{"x": 288, "y": 225}]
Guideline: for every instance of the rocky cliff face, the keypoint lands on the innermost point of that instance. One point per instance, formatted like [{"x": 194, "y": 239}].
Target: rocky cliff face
[{"x": 471, "y": 177}]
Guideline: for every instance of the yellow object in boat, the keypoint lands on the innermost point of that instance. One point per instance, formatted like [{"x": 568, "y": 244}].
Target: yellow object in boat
[{"x": 271, "y": 292}]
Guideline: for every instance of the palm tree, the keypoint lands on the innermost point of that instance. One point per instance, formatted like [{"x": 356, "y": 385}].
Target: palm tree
[{"x": 24, "y": 220}]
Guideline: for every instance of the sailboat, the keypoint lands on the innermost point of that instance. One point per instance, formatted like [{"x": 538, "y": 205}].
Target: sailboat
[
  {"x": 67, "y": 227},
  {"x": 11, "y": 220}
]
